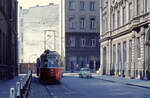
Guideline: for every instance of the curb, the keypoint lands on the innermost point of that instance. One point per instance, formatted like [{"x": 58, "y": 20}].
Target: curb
[
  {"x": 137, "y": 85},
  {"x": 123, "y": 83}
]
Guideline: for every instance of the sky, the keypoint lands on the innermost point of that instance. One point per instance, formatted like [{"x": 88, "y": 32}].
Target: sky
[{"x": 31, "y": 3}]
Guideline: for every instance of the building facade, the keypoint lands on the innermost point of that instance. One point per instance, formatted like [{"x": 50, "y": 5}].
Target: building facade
[
  {"x": 81, "y": 28},
  {"x": 8, "y": 39},
  {"x": 33, "y": 26},
  {"x": 125, "y": 39},
  {"x": 25, "y": 67}
]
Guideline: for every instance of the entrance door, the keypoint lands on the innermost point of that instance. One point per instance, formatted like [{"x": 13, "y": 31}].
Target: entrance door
[
  {"x": 147, "y": 55},
  {"x": 104, "y": 60}
]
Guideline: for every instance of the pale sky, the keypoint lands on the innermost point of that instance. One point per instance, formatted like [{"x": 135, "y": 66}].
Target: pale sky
[{"x": 31, "y": 3}]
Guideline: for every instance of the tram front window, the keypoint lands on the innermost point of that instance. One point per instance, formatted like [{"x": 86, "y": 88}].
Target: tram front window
[{"x": 52, "y": 62}]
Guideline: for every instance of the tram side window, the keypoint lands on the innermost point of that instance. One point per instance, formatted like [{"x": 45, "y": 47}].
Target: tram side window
[{"x": 45, "y": 63}]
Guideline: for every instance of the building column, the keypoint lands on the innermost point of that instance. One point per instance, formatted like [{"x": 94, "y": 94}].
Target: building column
[
  {"x": 141, "y": 72},
  {"x": 127, "y": 65},
  {"x": 110, "y": 57},
  {"x": 108, "y": 66},
  {"x": 101, "y": 59}
]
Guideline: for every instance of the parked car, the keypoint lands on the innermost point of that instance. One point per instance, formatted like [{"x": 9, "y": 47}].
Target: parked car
[{"x": 85, "y": 73}]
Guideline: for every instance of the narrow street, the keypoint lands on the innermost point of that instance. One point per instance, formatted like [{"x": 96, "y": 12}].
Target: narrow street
[
  {"x": 72, "y": 86},
  {"x": 51, "y": 90}
]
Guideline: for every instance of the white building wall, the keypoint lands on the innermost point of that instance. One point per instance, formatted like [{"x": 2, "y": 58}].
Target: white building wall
[{"x": 35, "y": 21}]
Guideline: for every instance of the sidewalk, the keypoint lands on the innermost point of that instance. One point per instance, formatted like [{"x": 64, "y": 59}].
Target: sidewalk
[
  {"x": 5, "y": 86},
  {"x": 126, "y": 81}
]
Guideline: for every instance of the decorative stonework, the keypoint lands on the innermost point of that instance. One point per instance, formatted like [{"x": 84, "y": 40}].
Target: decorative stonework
[{"x": 133, "y": 29}]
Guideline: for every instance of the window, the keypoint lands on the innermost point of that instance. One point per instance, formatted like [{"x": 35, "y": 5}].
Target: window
[
  {"x": 114, "y": 56},
  {"x": 72, "y": 42},
  {"x": 82, "y": 42},
  {"x": 124, "y": 57},
  {"x": 130, "y": 51},
  {"x": 71, "y": 23},
  {"x": 113, "y": 21},
  {"x": 130, "y": 11},
  {"x": 106, "y": 24},
  {"x": 138, "y": 48},
  {"x": 71, "y": 5},
  {"x": 118, "y": 19},
  {"x": 82, "y": 23},
  {"x": 103, "y": 26},
  {"x": 81, "y": 5},
  {"x": 138, "y": 7},
  {"x": 104, "y": 59},
  {"x": 92, "y": 6},
  {"x": 93, "y": 42},
  {"x": 124, "y": 16},
  {"x": 92, "y": 23},
  {"x": 147, "y": 7},
  {"x": 119, "y": 58}
]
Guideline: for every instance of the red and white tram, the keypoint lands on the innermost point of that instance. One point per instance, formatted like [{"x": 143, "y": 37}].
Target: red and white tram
[{"x": 50, "y": 67}]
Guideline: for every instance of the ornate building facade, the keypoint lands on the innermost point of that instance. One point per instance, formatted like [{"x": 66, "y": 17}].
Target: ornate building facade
[
  {"x": 125, "y": 38},
  {"x": 8, "y": 39},
  {"x": 81, "y": 28}
]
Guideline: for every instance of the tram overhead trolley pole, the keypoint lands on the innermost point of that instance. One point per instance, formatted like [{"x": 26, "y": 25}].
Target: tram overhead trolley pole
[{"x": 45, "y": 31}]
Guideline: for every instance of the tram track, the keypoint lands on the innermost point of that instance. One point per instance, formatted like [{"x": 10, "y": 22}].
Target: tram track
[
  {"x": 51, "y": 94},
  {"x": 61, "y": 90}
]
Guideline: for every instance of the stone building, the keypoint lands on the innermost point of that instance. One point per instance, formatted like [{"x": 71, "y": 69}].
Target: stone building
[
  {"x": 81, "y": 28},
  {"x": 8, "y": 39},
  {"x": 125, "y": 38}
]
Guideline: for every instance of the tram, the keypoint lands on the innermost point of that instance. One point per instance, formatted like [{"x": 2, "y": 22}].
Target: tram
[{"x": 50, "y": 67}]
